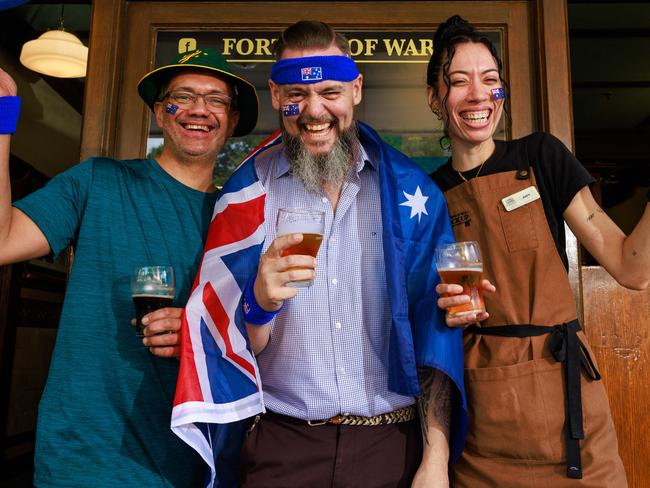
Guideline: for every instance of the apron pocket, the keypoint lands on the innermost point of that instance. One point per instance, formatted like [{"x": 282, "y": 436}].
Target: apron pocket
[
  {"x": 518, "y": 228},
  {"x": 517, "y": 411}
]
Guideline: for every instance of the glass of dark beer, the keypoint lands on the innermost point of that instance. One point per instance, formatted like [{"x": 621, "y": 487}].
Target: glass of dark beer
[
  {"x": 461, "y": 264},
  {"x": 309, "y": 223},
  {"x": 152, "y": 288}
]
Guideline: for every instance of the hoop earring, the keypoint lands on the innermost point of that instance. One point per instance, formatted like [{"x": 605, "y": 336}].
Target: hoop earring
[{"x": 445, "y": 143}]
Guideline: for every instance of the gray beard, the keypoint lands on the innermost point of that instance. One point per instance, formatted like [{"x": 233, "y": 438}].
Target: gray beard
[{"x": 318, "y": 171}]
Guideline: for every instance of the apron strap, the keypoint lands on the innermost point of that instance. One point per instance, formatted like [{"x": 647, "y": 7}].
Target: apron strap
[{"x": 567, "y": 348}]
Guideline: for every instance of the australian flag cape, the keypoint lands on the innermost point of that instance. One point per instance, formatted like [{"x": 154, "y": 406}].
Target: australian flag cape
[{"x": 219, "y": 383}]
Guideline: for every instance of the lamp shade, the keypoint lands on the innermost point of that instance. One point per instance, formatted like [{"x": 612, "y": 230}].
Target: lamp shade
[{"x": 56, "y": 53}]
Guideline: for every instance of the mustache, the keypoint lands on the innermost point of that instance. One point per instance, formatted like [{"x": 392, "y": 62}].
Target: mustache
[{"x": 306, "y": 119}]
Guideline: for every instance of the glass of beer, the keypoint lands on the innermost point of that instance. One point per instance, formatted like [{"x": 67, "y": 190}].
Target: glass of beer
[
  {"x": 309, "y": 223},
  {"x": 152, "y": 288},
  {"x": 461, "y": 264}
]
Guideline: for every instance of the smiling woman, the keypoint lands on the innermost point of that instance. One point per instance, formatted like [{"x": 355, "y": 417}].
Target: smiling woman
[{"x": 513, "y": 198}]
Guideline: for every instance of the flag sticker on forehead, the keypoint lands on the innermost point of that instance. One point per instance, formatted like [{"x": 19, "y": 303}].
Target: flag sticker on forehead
[
  {"x": 313, "y": 69},
  {"x": 311, "y": 74}
]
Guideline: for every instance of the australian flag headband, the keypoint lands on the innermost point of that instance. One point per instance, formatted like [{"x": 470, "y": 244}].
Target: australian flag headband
[{"x": 313, "y": 69}]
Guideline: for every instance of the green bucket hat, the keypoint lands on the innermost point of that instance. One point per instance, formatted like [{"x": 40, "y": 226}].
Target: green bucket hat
[{"x": 209, "y": 60}]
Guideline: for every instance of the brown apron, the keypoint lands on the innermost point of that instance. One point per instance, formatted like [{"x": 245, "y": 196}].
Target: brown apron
[{"x": 524, "y": 431}]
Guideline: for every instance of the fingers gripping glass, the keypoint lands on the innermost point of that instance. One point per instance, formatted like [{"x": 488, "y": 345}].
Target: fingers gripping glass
[
  {"x": 309, "y": 223},
  {"x": 216, "y": 102},
  {"x": 461, "y": 264},
  {"x": 152, "y": 288}
]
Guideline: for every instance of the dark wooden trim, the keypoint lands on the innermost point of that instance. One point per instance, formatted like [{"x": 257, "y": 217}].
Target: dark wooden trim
[
  {"x": 8, "y": 343},
  {"x": 586, "y": 33},
  {"x": 15, "y": 440},
  {"x": 556, "y": 109},
  {"x": 103, "y": 79},
  {"x": 605, "y": 1},
  {"x": 610, "y": 84}
]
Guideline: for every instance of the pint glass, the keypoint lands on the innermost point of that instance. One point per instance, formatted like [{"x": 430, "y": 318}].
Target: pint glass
[
  {"x": 460, "y": 263},
  {"x": 152, "y": 288},
  {"x": 309, "y": 223}
]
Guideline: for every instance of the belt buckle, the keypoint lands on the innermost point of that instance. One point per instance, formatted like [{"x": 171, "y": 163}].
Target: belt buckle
[{"x": 316, "y": 423}]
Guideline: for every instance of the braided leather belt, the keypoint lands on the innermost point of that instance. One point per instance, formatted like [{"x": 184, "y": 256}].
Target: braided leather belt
[{"x": 403, "y": 414}]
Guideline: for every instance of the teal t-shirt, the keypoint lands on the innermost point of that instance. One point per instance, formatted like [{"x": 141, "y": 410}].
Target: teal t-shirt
[{"x": 105, "y": 413}]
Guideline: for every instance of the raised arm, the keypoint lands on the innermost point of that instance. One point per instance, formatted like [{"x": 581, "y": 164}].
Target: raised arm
[
  {"x": 626, "y": 258},
  {"x": 434, "y": 406},
  {"x": 20, "y": 237}
]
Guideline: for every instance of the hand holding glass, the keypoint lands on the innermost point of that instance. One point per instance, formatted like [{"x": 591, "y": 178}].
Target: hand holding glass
[
  {"x": 152, "y": 288},
  {"x": 309, "y": 223},
  {"x": 461, "y": 264}
]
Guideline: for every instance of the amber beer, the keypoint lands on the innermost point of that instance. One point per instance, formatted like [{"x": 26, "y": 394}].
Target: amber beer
[
  {"x": 470, "y": 279},
  {"x": 308, "y": 247},
  {"x": 460, "y": 263},
  {"x": 309, "y": 223}
]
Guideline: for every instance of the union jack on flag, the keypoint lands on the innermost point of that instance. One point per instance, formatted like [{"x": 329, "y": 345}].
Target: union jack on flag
[
  {"x": 311, "y": 74},
  {"x": 218, "y": 379}
]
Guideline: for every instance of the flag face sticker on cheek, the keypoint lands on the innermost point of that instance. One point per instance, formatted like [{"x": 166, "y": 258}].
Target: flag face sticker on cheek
[
  {"x": 170, "y": 108},
  {"x": 291, "y": 110},
  {"x": 498, "y": 93}
]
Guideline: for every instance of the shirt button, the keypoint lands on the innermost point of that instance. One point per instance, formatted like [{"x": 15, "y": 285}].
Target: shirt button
[
  {"x": 337, "y": 325},
  {"x": 346, "y": 414},
  {"x": 334, "y": 281},
  {"x": 324, "y": 200},
  {"x": 342, "y": 370}
]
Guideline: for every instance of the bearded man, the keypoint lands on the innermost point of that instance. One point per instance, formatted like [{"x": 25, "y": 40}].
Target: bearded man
[{"x": 345, "y": 361}]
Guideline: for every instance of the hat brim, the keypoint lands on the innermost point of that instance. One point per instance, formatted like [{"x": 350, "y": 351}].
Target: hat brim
[{"x": 247, "y": 104}]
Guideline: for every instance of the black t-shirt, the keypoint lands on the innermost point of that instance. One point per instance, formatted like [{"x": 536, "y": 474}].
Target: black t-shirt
[{"x": 558, "y": 173}]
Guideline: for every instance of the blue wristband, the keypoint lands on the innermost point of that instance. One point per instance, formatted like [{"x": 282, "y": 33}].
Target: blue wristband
[
  {"x": 253, "y": 313},
  {"x": 9, "y": 112}
]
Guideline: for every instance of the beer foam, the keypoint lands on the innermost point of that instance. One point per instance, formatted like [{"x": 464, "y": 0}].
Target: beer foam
[
  {"x": 302, "y": 227},
  {"x": 151, "y": 291},
  {"x": 471, "y": 269}
]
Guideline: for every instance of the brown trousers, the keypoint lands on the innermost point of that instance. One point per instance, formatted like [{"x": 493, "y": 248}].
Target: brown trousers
[{"x": 283, "y": 452}]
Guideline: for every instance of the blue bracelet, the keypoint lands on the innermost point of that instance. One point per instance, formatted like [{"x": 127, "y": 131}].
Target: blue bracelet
[
  {"x": 253, "y": 313},
  {"x": 9, "y": 112}
]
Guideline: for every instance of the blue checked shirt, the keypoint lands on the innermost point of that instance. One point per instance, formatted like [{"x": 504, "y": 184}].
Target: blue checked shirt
[{"x": 328, "y": 350}]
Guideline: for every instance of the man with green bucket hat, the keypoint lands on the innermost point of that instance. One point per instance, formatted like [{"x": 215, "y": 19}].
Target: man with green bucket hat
[{"x": 105, "y": 412}]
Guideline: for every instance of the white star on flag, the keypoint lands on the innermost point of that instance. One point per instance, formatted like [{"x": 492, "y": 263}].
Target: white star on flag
[{"x": 417, "y": 202}]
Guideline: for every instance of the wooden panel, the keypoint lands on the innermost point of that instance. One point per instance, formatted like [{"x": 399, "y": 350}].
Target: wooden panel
[
  {"x": 554, "y": 94},
  {"x": 103, "y": 80},
  {"x": 146, "y": 18},
  {"x": 616, "y": 323}
]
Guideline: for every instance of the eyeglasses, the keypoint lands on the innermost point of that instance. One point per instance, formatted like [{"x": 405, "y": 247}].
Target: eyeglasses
[{"x": 217, "y": 103}]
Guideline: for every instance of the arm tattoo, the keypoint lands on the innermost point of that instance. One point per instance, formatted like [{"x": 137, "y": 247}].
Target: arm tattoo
[
  {"x": 436, "y": 396},
  {"x": 593, "y": 214}
]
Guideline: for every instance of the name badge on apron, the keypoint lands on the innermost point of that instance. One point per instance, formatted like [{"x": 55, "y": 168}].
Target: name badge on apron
[{"x": 520, "y": 198}]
